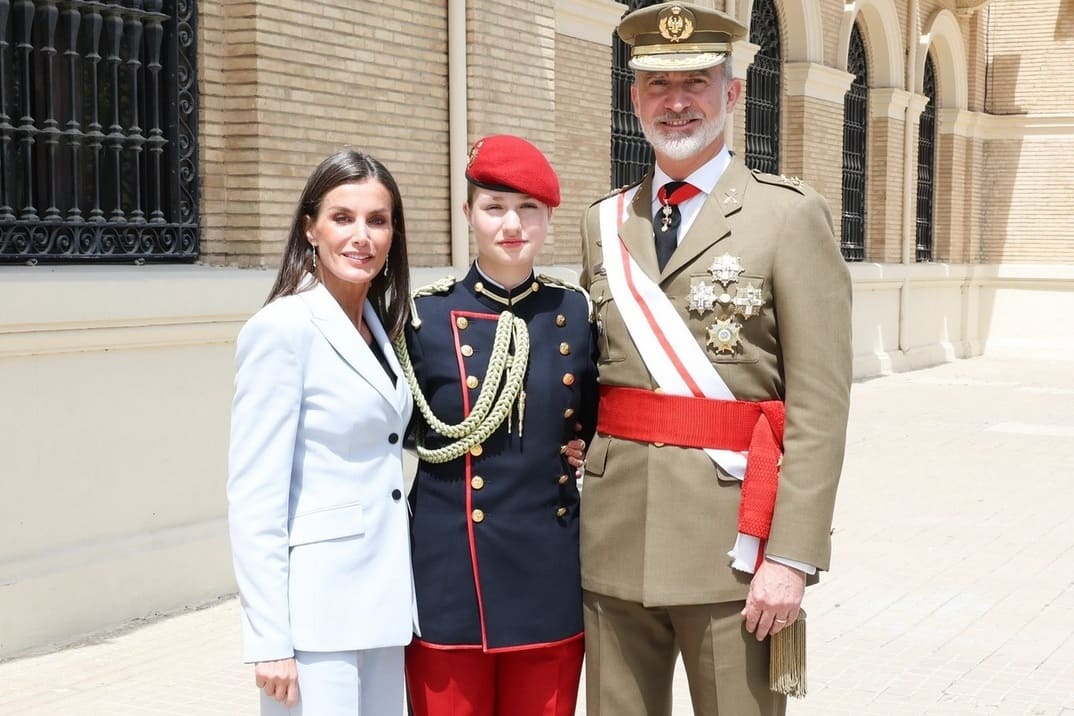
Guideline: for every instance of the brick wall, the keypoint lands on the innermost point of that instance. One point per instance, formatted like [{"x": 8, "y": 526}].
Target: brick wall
[
  {"x": 283, "y": 85},
  {"x": 1030, "y": 52},
  {"x": 583, "y": 101}
]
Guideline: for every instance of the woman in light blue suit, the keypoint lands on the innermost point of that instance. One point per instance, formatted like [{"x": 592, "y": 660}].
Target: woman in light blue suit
[{"x": 318, "y": 518}]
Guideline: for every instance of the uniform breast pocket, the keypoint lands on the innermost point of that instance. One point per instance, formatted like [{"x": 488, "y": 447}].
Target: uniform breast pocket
[
  {"x": 611, "y": 329},
  {"x": 328, "y": 523}
]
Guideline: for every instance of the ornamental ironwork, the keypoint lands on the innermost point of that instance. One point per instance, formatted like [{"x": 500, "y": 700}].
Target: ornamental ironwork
[
  {"x": 926, "y": 166},
  {"x": 855, "y": 123},
  {"x": 98, "y": 130},
  {"x": 631, "y": 154},
  {"x": 763, "y": 90}
]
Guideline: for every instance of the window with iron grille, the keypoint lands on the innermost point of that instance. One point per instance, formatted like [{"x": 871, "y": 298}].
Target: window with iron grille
[
  {"x": 98, "y": 135},
  {"x": 763, "y": 84},
  {"x": 926, "y": 165},
  {"x": 631, "y": 154},
  {"x": 855, "y": 115}
]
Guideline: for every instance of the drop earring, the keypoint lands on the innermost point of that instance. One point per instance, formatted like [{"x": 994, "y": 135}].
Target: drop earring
[{"x": 315, "y": 259}]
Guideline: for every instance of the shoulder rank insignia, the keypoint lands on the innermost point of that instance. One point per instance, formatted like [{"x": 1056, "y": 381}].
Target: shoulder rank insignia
[
  {"x": 567, "y": 285},
  {"x": 440, "y": 286}
]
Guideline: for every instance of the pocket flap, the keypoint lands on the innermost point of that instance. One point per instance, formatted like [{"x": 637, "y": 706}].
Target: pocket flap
[
  {"x": 330, "y": 523},
  {"x": 596, "y": 456}
]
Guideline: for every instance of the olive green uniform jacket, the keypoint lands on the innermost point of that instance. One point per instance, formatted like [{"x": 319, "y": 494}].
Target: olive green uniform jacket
[{"x": 658, "y": 520}]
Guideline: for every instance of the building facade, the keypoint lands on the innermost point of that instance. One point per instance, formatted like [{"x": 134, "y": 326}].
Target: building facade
[{"x": 152, "y": 152}]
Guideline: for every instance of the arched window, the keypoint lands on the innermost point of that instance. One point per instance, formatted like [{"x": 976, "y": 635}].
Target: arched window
[
  {"x": 763, "y": 85},
  {"x": 855, "y": 116},
  {"x": 98, "y": 131},
  {"x": 926, "y": 165},
  {"x": 631, "y": 154}
]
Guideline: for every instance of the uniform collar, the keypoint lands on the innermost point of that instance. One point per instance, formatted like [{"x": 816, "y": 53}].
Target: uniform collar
[
  {"x": 495, "y": 294},
  {"x": 704, "y": 177}
]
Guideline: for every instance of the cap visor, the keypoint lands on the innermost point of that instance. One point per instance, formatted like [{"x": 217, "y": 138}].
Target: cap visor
[{"x": 677, "y": 62}]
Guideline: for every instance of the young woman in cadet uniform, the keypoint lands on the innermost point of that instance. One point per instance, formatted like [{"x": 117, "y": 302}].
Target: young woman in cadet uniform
[{"x": 504, "y": 359}]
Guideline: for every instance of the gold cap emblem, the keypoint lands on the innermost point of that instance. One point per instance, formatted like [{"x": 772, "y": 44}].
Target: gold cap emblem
[{"x": 676, "y": 23}]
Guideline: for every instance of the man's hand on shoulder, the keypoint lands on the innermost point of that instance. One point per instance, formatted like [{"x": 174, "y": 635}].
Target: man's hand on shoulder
[{"x": 775, "y": 597}]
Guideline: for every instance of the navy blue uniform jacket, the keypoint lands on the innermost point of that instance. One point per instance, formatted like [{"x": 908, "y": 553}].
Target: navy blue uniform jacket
[{"x": 495, "y": 532}]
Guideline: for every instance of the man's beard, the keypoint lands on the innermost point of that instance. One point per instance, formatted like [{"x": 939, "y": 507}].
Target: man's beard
[{"x": 684, "y": 147}]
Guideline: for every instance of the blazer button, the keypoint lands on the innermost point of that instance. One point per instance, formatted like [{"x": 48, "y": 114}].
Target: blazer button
[
  {"x": 561, "y": 320},
  {"x": 461, "y": 322},
  {"x": 476, "y": 450},
  {"x": 563, "y": 479},
  {"x": 393, "y": 438},
  {"x": 467, "y": 350},
  {"x": 477, "y": 482},
  {"x": 561, "y": 512},
  {"x": 565, "y": 349},
  {"x": 568, "y": 379},
  {"x": 478, "y": 516},
  {"x": 397, "y": 494},
  {"x": 568, "y": 413},
  {"x": 472, "y": 382}
]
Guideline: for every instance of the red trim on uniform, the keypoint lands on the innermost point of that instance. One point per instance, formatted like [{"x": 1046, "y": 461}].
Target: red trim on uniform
[
  {"x": 653, "y": 325},
  {"x": 498, "y": 649},
  {"x": 466, "y": 461},
  {"x": 646, "y": 416}
]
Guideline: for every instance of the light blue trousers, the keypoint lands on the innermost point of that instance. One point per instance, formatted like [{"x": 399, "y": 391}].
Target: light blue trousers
[{"x": 345, "y": 683}]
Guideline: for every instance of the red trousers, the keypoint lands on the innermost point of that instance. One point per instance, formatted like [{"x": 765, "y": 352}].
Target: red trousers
[{"x": 542, "y": 681}]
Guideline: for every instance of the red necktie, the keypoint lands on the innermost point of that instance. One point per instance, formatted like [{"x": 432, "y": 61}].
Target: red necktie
[{"x": 667, "y": 218}]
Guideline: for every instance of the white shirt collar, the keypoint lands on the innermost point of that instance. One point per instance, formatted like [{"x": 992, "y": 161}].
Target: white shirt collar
[{"x": 704, "y": 177}]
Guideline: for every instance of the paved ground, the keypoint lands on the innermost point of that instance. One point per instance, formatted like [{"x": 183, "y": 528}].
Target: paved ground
[{"x": 953, "y": 589}]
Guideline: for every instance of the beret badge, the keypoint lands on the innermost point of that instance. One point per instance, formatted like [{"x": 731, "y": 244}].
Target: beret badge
[
  {"x": 676, "y": 23},
  {"x": 473, "y": 153}
]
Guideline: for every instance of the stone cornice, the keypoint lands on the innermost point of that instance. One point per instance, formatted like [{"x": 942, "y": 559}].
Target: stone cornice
[
  {"x": 890, "y": 102},
  {"x": 991, "y": 127},
  {"x": 810, "y": 79},
  {"x": 589, "y": 20}
]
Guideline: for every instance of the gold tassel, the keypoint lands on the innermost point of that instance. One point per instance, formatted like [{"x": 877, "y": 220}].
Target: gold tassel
[{"x": 787, "y": 660}]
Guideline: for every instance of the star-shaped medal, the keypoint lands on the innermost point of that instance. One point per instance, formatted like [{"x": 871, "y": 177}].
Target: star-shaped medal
[
  {"x": 748, "y": 301},
  {"x": 726, "y": 269},
  {"x": 702, "y": 298},
  {"x": 723, "y": 336}
]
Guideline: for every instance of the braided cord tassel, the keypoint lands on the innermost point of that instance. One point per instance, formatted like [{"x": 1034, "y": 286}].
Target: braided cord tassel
[{"x": 489, "y": 410}]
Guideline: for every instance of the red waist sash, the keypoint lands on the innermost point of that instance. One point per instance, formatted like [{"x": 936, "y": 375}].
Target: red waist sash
[{"x": 636, "y": 414}]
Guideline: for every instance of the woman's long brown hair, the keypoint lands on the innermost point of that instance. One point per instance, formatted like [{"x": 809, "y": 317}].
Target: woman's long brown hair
[{"x": 389, "y": 293}]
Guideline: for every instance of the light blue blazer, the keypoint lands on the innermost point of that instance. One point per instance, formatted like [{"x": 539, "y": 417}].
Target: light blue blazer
[{"x": 316, "y": 504}]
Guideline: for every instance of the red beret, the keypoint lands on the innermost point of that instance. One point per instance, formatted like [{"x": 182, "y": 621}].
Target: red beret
[{"x": 504, "y": 162}]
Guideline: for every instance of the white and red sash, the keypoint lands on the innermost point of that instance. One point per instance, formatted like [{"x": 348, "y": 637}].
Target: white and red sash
[{"x": 669, "y": 350}]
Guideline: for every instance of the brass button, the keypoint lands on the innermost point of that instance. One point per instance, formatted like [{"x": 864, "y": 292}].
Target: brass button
[
  {"x": 564, "y": 349},
  {"x": 561, "y": 320},
  {"x": 461, "y": 322},
  {"x": 467, "y": 351},
  {"x": 535, "y": 286},
  {"x": 561, "y": 512},
  {"x": 568, "y": 379},
  {"x": 562, "y": 449},
  {"x": 477, "y": 482},
  {"x": 476, "y": 450},
  {"x": 472, "y": 382},
  {"x": 563, "y": 479},
  {"x": 478, "y": 515},
  {"x": 479, "y": 287},
  {"x": 568, "y": 413}
]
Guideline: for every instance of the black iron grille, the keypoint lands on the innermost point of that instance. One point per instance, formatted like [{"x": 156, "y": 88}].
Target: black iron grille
[
  {"x": 98, "y": 113},
  {"x": 763, "y": 81},
  {"x": 926, "y": 166},
  {"x": 631, "y": 154},
  {"x": 855, "y": 118}
]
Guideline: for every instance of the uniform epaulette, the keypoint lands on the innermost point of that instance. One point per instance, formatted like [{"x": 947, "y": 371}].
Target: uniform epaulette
[
  {"x": 792, "y": 183},
  {"x": 568, "y": 286},
  {"x": 440, "y": 286},
  {"x": 620, "y": 190}
]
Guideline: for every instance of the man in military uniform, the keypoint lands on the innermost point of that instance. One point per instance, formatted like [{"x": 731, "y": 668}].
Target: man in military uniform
[{"x": 725, "y": 365}]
